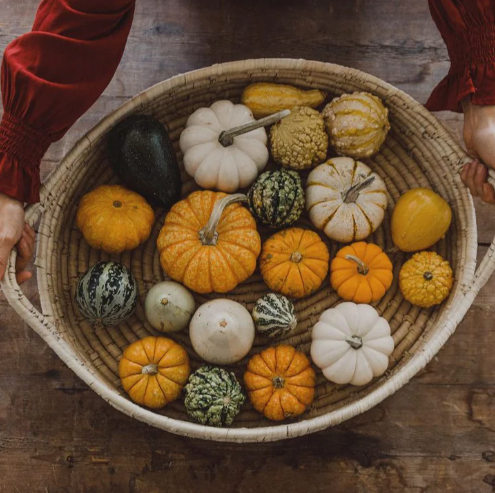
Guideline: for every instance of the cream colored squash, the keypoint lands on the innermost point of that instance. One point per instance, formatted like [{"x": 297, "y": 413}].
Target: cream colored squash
[
  {"x": 221, "y": 162},
  {"x": 351, "y": 344},
  {"x": 222, "y": 331},
  {"x": 345, "y": 199},
  {"x": 357, "y": 124}
]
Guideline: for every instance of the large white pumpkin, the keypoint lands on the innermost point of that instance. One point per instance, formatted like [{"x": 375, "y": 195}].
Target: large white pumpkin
[
  {"x": 351, "y": 344},
  {"x": 222, "y": 331},
  {"x": 345, "y": 199},
  {"x": 214, "y": 166}
]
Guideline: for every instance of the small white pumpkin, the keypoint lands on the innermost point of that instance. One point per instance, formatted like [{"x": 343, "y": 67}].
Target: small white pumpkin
[
  {"x": 222, "y": 331},
  {"x": 169, "y": 306},
  {"x": 274, "y": 315},
  {"x": 345, "y": 199},
  {"x": 351, "y": 344},
  {"x": 211, "y": 161},
  {"x": 357, "y": 124}
]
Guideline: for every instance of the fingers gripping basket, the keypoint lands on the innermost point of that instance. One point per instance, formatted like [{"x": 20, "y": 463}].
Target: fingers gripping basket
[{"x": 418, "y": 152}]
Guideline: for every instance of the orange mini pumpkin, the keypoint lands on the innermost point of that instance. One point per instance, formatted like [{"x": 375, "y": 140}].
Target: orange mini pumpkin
[
  {"x": 361, "y": 272},
  {"x": 113, "y": 219},
  {"x": 209, "y": 243},
  {"x": 294, "y": 262},
  {"x": 154, "y": 370},
  {"x": 280, "y": 382}
]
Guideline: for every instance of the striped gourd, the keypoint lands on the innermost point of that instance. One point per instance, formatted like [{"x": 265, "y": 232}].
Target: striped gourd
[
  {"x": 213, "y": 396},
  {"x": 357, "y": 124},
  {"x": 274, "y": 315},
  {"x": 276, "y": 199},
  {"x": 107, "y": 293}
]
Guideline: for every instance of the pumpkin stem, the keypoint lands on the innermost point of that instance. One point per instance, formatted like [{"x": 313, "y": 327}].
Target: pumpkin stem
[
  {"x": 353, "y": 193},
  {"x": 226, "y": 138},
  {"x": 296, "y": 257},
  {"x": 428, "y": 276},
  {"x": 164, "y": 301},
  {"x": 117, "y": 203},
  {"x": 355, "y": 342},
  {"x": 151, "y": 369},
  {"x": 362, "y": 267},
  {"x": 278, "y": 382},
  {"x": 208, "y": 235}
]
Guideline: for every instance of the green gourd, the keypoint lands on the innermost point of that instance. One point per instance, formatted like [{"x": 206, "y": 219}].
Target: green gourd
[
  {"x": 274, "y": 315},
  {"x": 213, "y": 396},
  {"x": 276, "y": 199}
]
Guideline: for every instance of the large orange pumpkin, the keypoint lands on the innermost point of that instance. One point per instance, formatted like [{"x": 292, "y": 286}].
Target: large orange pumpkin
[
  {"x": 154, "y": 370},
  {"x": 281, "y": 382},
  {"x": 294, "y": 262},
  {"x": 209, "y": 242}
]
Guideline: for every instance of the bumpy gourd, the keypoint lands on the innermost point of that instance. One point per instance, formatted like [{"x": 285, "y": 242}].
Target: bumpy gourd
[
  {"x": 265, "y": 98},
  {"x": 274, "y": 315},
  {"x": 345, "y": 199},
  {"x": 280, "y": 382},
  {"x": 299, "y": 141},
  {"x": 153, "y": 371},
  {"x": 209, "y": 242},
  {"x": 276, "y": 199},
  {"x": 420, "y": 218},
  {"x": 357, "y": 124},
  {"x": 426, "y": 279},
  {"x": 361, "y": 272},
  {"x": 113, "y": 219},
  {"x": 294, "y": 262},
  {"x": 213, "y": 396}
]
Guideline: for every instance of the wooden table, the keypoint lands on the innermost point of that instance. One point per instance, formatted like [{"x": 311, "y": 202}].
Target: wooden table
[{"x": 434, "y": 435}]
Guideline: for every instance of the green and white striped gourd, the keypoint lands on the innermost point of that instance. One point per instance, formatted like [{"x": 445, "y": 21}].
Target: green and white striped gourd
[
  {"x": 274, "y": 315},
  {"x": 276, "y": 199},
  {"x": 213, "y": 396},
  {"x": 107, "y": 294}
]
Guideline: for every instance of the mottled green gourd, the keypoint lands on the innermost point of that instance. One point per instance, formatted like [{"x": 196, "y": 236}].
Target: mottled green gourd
[
  {"x": 274, "y": 315},
  {"x": 213, "y": 396},
  {"x": 276, "y": 199}
]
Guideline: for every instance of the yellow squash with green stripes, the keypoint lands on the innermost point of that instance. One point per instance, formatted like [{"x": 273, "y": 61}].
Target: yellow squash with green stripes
[{"x": 357, "y": 124}]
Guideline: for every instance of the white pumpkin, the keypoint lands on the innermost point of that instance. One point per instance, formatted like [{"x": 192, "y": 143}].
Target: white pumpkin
[
  {"x": 345, "y": 199},
  {"x": 169, "y": 306},
  {"x": 222, "y": 331},
  {"x": 357, "y": 124},
  {"x": 351, "y": 344},
  {"x": 214, "y": 166}
]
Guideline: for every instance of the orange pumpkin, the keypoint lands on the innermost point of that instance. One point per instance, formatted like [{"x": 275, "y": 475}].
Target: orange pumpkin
[
  {"x": 280, "y": 382},
  {"x": 294, "y": 262},
  {"x": 209, "y": 243},
  {"x": 153, "y": 371},
  {"x": 113, "y": 219},
  {"x": 361, "y": 272}
]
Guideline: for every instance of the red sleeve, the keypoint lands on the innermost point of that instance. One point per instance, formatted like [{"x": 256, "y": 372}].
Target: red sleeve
[
  {"x": 50, "y": 77},
  {"x": 468, "y": 29}
]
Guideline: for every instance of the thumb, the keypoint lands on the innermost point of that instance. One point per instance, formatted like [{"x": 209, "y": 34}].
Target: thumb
[{"x": 5, "y": 249}]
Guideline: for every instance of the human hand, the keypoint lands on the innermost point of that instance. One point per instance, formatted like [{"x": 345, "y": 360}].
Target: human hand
[
  {"x": 479, "y": 136},
  {"x": 15, "y": 232}
]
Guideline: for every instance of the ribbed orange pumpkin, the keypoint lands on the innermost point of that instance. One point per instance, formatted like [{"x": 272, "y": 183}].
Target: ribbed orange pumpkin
[
  {"x": 280, "y": 382},
  {"x": 153, "y": 371},
  {"x": 361, "y": 272},
  {"x": 209, "y": 243},
  {"x": 294, "y": 262}
]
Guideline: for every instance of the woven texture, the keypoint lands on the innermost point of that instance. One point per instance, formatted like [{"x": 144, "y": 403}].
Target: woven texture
[{"x": 418, "y": 152}]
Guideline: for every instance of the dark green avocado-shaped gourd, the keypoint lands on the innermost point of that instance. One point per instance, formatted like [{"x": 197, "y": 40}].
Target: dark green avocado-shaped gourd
[{"x": 143, "y": 157}]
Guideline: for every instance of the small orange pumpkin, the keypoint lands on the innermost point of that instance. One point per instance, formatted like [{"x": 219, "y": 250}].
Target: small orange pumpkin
[
  {"x": 294, "y": 262},
  {"x": 361, "y": 272},
  {"x": 209, "y": 243},
  {"x": 113, "y": 218},
  {"x": 154, "y": 370},
  {"x": 280, "y": 382}
]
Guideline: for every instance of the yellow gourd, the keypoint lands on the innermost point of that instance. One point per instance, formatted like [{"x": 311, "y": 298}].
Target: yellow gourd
[
  {"x": 420, "y": 218},
  {"x": 426, "y": 279},
  {"x": 264, "y": 98}
]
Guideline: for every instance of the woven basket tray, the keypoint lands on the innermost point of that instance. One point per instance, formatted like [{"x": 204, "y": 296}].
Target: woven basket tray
[{"x": 418, "y": 152}]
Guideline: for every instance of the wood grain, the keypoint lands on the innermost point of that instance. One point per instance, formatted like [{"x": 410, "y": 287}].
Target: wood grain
[{"x": 435, "y": 435}]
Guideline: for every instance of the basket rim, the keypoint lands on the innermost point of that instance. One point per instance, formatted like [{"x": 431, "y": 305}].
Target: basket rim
[{"x": 446, "y": 326}]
